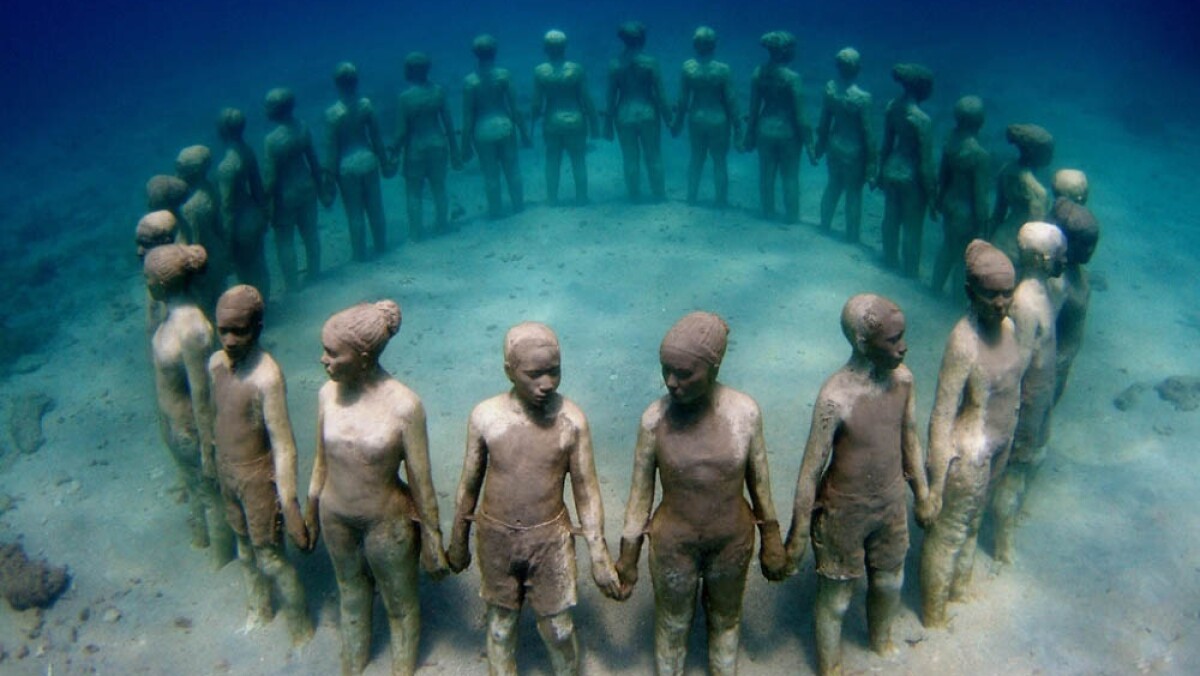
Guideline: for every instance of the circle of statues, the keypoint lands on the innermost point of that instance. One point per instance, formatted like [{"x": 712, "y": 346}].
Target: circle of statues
[{"x": 222, "y": 398}]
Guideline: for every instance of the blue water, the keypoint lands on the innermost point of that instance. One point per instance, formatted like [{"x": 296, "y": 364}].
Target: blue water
[{"x": 97, "y": 99}]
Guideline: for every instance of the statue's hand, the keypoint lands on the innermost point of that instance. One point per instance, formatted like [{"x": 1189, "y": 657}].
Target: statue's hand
[
  {"x": 459, "y": 555},
  {"x": 293, "y": 522},
  {"x": 627, "y": 566},
  {"x": 312, "y": 521},
  {"x": 771, "y": 557},
  {"x": 795, "y": 550},
  {"x": 606, "y": 578},
  {"x": 433, "y": 559},
  {"x": 927, "y": 510}
]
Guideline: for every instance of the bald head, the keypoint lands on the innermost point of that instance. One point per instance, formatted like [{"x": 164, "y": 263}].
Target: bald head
[
  {"x": 863, "y": 315},
  {"x": 525, "y": 337}
]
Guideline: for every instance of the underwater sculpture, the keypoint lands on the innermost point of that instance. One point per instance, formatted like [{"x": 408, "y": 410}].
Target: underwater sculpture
[
  {"x": 155, "y": 229},
  {"x": 1082, "y": 231},
  {"x": 709, "y": 106},
  {"x": 862, "y": 448},
  {"x": 293, "y": 183},
  {"x": 637, "y": 108},
  {"x": 844, "y": 135},
  {"x": 1043, "y": 254},
  {"x": 202, "y": 211},
  {"x": 168, "y": 193},
  {"x": 907, "y": 174},
  {"x": 970, "y": 429},
  {"x": 353, "y": 153},
  {"x": 425, "y": 135},
  {"x": 520, "y": 447},
  {"x": 492, "y": 124},
  {"x": 560, "y": 96},
  {"x": 375, "y": 525},
  {"x": 256, "y": 461},
  {"x": 963, "y": 185},
  {"x": 704, "y": 442},
  {"x": 243, "y": 202},
  {"x": 776, "y": 125},
  {"x": 180, "y": 347},
  {"x": 1020, "y": 197}
]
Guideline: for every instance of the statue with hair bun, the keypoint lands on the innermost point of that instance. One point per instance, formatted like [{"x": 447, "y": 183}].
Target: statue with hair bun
[
  {"x": 180, "y": 345},
  {"x": 1020, "y": 196},
  {"x": 704, "y": 444},
  {"x": 850, "y": 494},
  {"x": 376, "y": 524}
]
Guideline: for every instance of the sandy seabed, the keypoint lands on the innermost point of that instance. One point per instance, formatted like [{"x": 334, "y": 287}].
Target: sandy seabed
[{"x": 1108, "y": 576}]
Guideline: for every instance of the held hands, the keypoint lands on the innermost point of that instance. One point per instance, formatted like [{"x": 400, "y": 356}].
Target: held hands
[
  {"x": 606, "y": 578},
  {"x": 927, "y": 510},
  {"x": 627, "y": 567},
  {"x": 458, "y": 556},
  {"x": 771, "y": 556},
  {"x": 312, "y": 521},
  {"x": 293, "y": 522},
  {"x": 433, "y": 558}
]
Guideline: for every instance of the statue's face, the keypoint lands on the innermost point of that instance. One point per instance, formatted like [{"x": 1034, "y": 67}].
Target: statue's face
[
  {"x": 991, "y": 299},
  {"x": 238, "y": 329},
  {"x": 342, "y": 363},
  {"x": 535, "y": 373},
  {"x": 885, "y": 347},
  {"x": 688, "y": 378}
]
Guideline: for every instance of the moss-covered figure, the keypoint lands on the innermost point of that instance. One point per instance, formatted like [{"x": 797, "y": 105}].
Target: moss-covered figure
[
  {"x": 256, "y": 461},
  {"x": 1043, "y": 254},
  {"x": 180, "y": 348},
  {"x": 1020, "y": 197},
  {"x": 850, "y": 499},
  {"x": 637, "y": 109},
  {"x": 709, "y": 106},
  {"x": 376, "y": 525},
  {"x": 293, "y": 183},
  {"x": 970, "y": 429},
  {"x": 561, "y": 99},
  {"x": 776, "y": 126},
  {"x": 243, "y": 202},
  {"x": 425, "y": 135},
  {"x": 492, "y": 124},
  {"x": 1082, "y": 230},
  {"x": 202, "y": 210},
  {"x": 354, "y": 154},
  {"x": 521, "y": 446},
  {"x": 906, "y": 171},
  {"x": 963, "y": 186},
  {"x": 844, "y": 135},
  {"x": 704, "y": 444}
]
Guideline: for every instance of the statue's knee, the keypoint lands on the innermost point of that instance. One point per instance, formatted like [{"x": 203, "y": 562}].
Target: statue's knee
[{"x": 557, "y": 629}]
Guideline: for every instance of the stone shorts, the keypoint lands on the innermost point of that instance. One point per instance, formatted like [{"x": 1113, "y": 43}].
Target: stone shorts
[
  {"x": 251, "y": 501},
  {"x": 849, "y": 536},
  {"x": 534, "y": 564}
]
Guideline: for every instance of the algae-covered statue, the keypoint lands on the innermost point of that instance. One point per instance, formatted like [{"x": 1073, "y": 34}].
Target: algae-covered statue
[
  {"x": 168, "y": 193},
  {"x": 709, "y": 106},
  {"x": 704, "y": 443},
  {"x": 293, "y": 183},
  {"x": 155, "y": 229},
  {"x": 180, "y": 347},
  {"x": 425, "y": 134},
  {"x": 1043, "y": 254},
  {"x": 850, "y": 498},
  {"x": 971, "y": 428},
  {"x": 256, "y": 461},
  {"x": 637, "y": 109},
  {"x": 906, "y": 171},
  {"x": 562, "y": 101},
  {"x": 963, "y": 185},
  {"x": 521, "y": 445},
  {"x": 844, "y": 135},
  {"x": 354, "y": 154},
  {"x": 776, "y": 126},
  {"x": 202, "y": 210},
  {"x": 492, "y": 124},
  {"x": 1020, "y": 197},
  {"x": 376, "y": 526},
  {"x": 1077, "y": 222},
  {"x": 243, "y": 202}
]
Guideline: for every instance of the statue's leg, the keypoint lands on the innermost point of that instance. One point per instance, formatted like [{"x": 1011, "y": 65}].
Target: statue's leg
[
  {"x": 833, "y": 598},
  {"x": 437, "y": 166},
  {"x": 351, "y": 189},
  {"x": 392, "y": 549},
  {"x": 718, "y": 145},
  {"x": 355, "y": 591},
  {"x": 789, "y": 170},
  {"x": 273, "y": 564},
  {"x": 512, "y": 173},
  {"x": 413, "y": 186},
  {"x": 307, "y": 224},
  {"x": 502, "y": 641},
  {"x": 768, "y": 167},
  {"x": 284, "y": 227},
  {"x": 576, "y": 145},
  {"x": 833, "y": 193},
  {"x": 489, "y": 166},
  {"x": 723, "y": 588},
  {"x": 373, "y": 199},
  {"x": 631, "y": 154},
  {"x": 698, "y": 146},
  {"x": 558, "y": 633},
  {"x": 652, "y": 147},
  {"x": 554, "y": 153},
  {"x": 890, "y": 228},
  {"x": 883, "y": 599},
  {"x": 913, "y": 218},
  {"x": 676, "y": 579}
]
